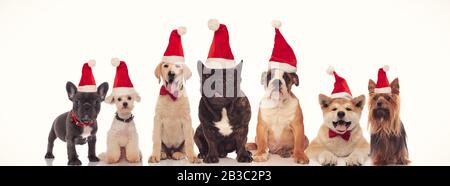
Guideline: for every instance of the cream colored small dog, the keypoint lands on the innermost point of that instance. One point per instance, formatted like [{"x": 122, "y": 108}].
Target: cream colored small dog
[
  {"x": 172, "y": 132},
  {"x": 340, "y": 134},
  {"x": 122, "y": 136}
]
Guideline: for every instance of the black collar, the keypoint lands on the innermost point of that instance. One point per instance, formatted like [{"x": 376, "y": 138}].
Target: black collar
[{"x": 125, "y": 120}]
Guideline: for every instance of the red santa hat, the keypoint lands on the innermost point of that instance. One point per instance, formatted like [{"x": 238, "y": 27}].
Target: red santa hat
[
  {"x": 341, "y": 89},
  {"x": 283, "y": 56},
  {"x": 87, "y": 81},
  {"x": 220, "y": 55},
  {"x": 122, "y": 83},
  {"x": 383, "y": 82},
  {"x": 174, "y": 52}
]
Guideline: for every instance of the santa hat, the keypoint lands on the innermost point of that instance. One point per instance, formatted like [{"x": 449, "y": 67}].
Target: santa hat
[
  {"x": 122, "y": 83},
  {"x": 383, "y": 82},
  {"x": 174, "y": 52},
  {"x": 87, "y": 81},
  {"x": 220, "y": 55},
  {"x": 283, "y": 56},
  {"x": 341, "y": 89}
]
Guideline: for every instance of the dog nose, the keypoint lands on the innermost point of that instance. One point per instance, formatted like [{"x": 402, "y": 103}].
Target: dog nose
[
  {"x": 340, "y": 114},
  {"x": 125, "y": 104},
  {"x": 171, "y": 76},
  {"x": 276, "y": 83},
  {"x": 379, "y": 104}
]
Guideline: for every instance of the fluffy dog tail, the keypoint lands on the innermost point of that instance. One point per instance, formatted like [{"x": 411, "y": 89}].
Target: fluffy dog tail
[{"x": 251, "y": 146}]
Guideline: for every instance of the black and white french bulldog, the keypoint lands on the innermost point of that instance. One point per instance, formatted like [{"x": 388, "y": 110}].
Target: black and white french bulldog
[
  {"x": 79, "y": 125},
  {"x": 224, "y": 113}
]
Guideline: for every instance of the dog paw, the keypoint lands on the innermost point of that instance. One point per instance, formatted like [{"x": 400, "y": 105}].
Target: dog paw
[
  {"x": 163, "y": 156},
  {"x": 193, "y": 159},
  {"x": 211, "y": 159},
  {"x": 355, "y": 159},
  {"x": 201, "y": 156},
  {"x": 285, "y": 153},
  {"x": 327, "y": 158},
  {"x": 74, "y": 161},
  {"x": 301, "y": 158},
  {"x": 135, "y": 158},
  {"x": 49, "y": 156},
  {"x": 245, "y": 157},
  {"x": 154, "y": 159},
  {"x": 110, "y": 158},
  {"x": 93, "y": 158},
  {"x": 178, "y": 156},
  {"x": 261, "y": 157}
]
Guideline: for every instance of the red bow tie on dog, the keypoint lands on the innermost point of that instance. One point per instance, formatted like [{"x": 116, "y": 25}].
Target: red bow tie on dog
[
  {"x": 163, "y": 91},
  {"x": 345, "y": 136},
  {"x": 74, "y": 119}
]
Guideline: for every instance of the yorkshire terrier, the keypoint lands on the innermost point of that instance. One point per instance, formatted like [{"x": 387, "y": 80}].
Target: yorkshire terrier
[{"x": 388, "y": 137}]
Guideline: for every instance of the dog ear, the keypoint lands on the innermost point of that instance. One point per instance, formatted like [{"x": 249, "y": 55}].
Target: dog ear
[
  {"x": 186, "y": 72},
  {"x": 102, "y": 90},
  {"x": 71, "y": 90},
  {"x": 158, "y": 72},
  {"x": 264, "y": 78},
  {"x": 137, "y": 97},
  {"x": 110, "y": 99},
  {"x": 324, "y": 101},
  {"x": 294, "y": 78},
  {"x": 395, "y": 86},
  {"x": 359, "y": 101},
  {"x": 371, "y": 86}
]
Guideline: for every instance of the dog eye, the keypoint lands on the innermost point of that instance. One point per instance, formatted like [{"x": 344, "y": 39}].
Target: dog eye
[
  {"x": 178, "y": 66},
  {"x": 334, "y": 109},
  {"x": 387, "y": 98},
  {"x": 129, "y": 97},
  {"x": 348, "y": 109},
  {"x": 119, "y": 99},
  {"x": 165, "y": 66}
]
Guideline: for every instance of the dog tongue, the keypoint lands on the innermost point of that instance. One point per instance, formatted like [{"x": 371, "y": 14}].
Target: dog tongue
[{"x": 341, "y": 128}]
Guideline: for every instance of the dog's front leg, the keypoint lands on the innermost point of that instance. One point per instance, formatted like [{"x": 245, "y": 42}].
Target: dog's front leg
[
  {"x": 299, "y": 138},
  {"x": 71, "y": 151},
  {"x": 157, "y": 130},
  {"x": 112, "y": 154},
  {"x": 261, "y": 154},
  {"x": 318, "y": 151},
  {"x": 211, "y": 139},
  {"x": 243, "y": 156},
  {"x": 132, "y": 149},
  {"x": 189, "y": 140},
  {"x": 359, "y": 155},
  {"x": 91, "y": 151}
]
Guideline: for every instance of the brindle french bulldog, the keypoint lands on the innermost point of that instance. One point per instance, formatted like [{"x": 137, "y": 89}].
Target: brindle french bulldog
[
  {"x": 79, "y": 125},
  {"x": 224, "y": 113}
]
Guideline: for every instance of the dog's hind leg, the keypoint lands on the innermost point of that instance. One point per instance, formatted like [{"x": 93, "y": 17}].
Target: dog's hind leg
[{"x": 51, "y": 141}]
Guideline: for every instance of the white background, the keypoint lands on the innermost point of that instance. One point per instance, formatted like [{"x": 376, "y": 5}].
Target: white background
[{"x": 44, "y": 43}]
